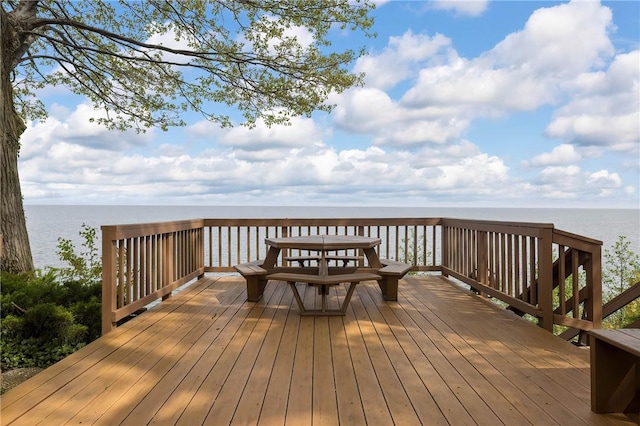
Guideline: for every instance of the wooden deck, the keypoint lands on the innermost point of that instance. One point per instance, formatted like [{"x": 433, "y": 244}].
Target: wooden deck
[{"x": 439, "y": 355}]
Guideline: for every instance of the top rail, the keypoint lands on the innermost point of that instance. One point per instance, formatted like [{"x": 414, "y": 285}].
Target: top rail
[{"x": 531, "y": 267}]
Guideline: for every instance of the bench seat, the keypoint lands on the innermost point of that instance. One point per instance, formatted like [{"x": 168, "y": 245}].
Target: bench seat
[
  {"x": 316, "y": 258},
  {"x": 323, "y": 281},
  {"x": 391, "y": 271},
  {"x": 393, "y": 267},
  {"x": 615, "y": 370},
  {"x": 255, "y": 275},
  {"x": 251, "y": 268},
  {"x": 302, "y": 259}
]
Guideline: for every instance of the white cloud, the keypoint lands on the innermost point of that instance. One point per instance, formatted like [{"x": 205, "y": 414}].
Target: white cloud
[
  {"x": 399, "y": 60},
  {"x": 561, "y": 154},
  {"x": 549, "y": 44},
  {"x": 526, "y": 70},
  {"x": 463, "y": 7},
  {"x": 372, "y": 112},
  {"x": 571, "y": 182},
  {"x": 534, "y": 67},
  {"x": 77, "y": 129},
  {"x": 300, "y": 133},
  {"x": 85, "y": 173},
  {"x": 605, "y": 109}
]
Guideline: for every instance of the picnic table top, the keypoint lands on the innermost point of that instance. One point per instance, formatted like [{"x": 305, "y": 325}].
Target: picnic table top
[{"x": 324, "y": 242}]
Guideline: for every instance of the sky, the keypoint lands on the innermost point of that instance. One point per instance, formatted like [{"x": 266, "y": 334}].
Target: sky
[{"x": 465, "y": 104}]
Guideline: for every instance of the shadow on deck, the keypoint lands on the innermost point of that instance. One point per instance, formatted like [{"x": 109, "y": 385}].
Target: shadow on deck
[{"x": 440, "y": 355}]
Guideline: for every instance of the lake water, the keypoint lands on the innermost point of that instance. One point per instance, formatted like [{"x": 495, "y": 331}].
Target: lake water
[{"x": 48, "y": 223}]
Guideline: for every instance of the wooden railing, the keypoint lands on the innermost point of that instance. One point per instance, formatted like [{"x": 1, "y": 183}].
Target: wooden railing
[
  {"x": 520, "y": 264},
  {"x": 232, "y": 241},
  {"x": 533, "y": 268},
  {"x": 146, "y": 262}
]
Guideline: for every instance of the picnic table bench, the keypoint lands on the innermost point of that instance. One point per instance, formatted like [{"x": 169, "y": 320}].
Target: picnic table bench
[
  {"x": 255, "y": 275},
  {"x": 345, "y": 259},
  {"x": 391, "y": 272},
  {"x": 323, "y": 282},
  {"x": 615, "y": 370}
]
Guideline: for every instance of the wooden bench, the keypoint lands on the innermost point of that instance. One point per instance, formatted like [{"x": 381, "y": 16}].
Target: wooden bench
[
  {"x": 344, "y": 259},
  {"x": 302, "y": 259},
  {"x": 615, "y": 370},
  {"x": 256, "y": 278},
  {"x": 391, "y": 272},
  {"x": 323, "y": 282}
]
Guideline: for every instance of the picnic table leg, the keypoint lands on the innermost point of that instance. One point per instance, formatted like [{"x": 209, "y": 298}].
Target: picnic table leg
[
  {"x": 372, "y": 258},
  {"x": 389, "y": 287},
  {"x": 347, "y": 298},
  {"x": 292, "y": 284},
  {"x": 255, "y": 287},
  {"x": 271, "y": 259},
  {"x": 323, "y": 290}
]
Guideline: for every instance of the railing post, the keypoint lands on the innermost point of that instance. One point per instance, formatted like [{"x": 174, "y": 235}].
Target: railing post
[
  {"x": 482, "y": 273},
  {"x": 109, "y": 265},
  {"x": 285, "y": 252},
  {"x": 168, "y": 263},
  {"x": 545, "y": 278},
  {"x": 593, "y": 269},
  {"x": 444, "y": 237},
  {"x": 199, "y": 248}
]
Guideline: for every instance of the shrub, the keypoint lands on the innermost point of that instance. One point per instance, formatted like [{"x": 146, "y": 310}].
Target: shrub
[{"x": 47, "y": 315}]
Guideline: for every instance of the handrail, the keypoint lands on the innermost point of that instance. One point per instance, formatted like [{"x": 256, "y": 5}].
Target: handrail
[
  {"x": 509, "y": 261},
  {"x": 622, "y": 300},
  {"x": 612, "y": 306}
]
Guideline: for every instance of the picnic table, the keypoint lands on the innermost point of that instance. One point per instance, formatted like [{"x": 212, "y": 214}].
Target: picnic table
[{"x": 323, "y": 275}]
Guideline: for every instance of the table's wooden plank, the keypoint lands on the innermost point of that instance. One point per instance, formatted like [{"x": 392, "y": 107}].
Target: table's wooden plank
[{"x": 627, "y": 339}]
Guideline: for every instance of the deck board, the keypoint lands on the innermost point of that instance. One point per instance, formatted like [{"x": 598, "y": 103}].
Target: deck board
[{"x": 439, "y": 355}]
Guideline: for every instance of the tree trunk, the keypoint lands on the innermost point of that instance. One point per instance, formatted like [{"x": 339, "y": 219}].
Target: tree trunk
[{"x": 16, "y": 251}]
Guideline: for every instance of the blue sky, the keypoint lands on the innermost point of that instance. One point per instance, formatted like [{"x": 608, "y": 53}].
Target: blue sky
[{"x": 465, "y": 104}]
